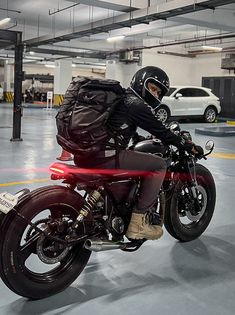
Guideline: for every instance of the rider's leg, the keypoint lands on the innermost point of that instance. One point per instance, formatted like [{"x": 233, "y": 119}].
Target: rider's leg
[{"x": 139, "y": 226}]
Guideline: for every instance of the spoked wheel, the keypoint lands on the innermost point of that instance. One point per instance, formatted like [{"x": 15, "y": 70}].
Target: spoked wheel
[
  {"x": 182, "y": 220},
  {"x": 210, "y": 115},
  {"x": 162, "y": 113},
  {"x": 33, "y": 265}
]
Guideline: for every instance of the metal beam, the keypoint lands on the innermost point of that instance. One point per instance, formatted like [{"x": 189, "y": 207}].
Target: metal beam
[
  {"x": 180, "y": 42},
  {"x": 98, "y": 55},
  {"x": 107, "y": 5},
  {"x": 152, "y": 13},
  {"x": 183, "y": 21},
  {"x": 8, "y": 36}
]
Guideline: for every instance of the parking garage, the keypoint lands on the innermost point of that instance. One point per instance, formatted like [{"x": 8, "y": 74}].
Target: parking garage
[{"x": 43, "y": 47}]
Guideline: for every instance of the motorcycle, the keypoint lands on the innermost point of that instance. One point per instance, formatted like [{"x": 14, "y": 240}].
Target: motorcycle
[{"x": 58, "y": 226}]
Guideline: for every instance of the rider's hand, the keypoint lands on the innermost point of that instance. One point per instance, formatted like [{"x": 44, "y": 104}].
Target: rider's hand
[
  {"x": 197, "y": 150},
  {"x": 137, "y": 138}
]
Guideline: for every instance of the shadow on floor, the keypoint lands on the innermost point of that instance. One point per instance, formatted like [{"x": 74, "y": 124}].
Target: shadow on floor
[{"x": 205, "y": 261}]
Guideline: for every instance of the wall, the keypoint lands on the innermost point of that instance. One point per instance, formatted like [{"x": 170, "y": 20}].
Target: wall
[
  {"x": 186, "y": 71},
  {"x": 208, "y": 66},
  {"x": 177, "y": 68},
  {"x": 120, "y": 71}
]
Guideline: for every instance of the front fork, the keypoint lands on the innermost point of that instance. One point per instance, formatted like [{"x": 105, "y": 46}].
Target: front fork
[{"x": 192, "y": 183}]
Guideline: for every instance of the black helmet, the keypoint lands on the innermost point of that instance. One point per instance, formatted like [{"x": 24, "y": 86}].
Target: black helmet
[{"x": 150, "y": 74}]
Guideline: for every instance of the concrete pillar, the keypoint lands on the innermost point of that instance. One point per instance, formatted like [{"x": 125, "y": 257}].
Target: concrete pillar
[
  {"x": 8, "y": 87},
  {"x": 121, "y": 71},
  {"x": 62, "y": 78}
]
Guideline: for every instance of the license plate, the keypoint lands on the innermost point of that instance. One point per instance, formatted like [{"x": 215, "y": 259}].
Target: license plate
[{"x": 7, "y": 202}]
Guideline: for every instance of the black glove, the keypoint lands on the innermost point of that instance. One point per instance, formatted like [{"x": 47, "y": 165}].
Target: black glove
[
  {"x": 199, "y": 149},
  {"x": 185, "y": 145},
  {"x": 137, "y": 138}
]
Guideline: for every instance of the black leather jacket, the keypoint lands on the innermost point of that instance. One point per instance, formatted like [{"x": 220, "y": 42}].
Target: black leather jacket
[
  {"x": 136, "y": 113},
  {"x": 123, "y": 122}
]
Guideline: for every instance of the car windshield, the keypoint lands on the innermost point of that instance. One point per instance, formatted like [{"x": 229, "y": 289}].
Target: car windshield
[{"x": 171, "y": 90}]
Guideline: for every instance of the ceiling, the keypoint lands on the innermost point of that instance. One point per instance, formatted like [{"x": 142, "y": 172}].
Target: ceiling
[{"x": 69, "y": 29}]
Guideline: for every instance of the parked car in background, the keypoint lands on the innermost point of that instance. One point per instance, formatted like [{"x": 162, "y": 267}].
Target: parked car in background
[{"x": 189, "y": 101}]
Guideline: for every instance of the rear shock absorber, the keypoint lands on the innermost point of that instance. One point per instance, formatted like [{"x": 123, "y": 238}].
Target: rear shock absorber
[{"x": 88, "y": 206}]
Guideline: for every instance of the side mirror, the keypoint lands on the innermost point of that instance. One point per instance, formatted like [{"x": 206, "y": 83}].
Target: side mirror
[
  {"x": 209, "y": 145},
  {"x": 178, "y": 95},
  {"x": 174, "y": 126}
]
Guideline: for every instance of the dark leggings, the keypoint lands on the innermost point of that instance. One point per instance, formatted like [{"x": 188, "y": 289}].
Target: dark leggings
[{"x": 150, "y": 184}]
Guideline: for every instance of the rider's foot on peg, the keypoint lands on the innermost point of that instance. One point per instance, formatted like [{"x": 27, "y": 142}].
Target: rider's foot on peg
[{"x": 140, "y": 228}]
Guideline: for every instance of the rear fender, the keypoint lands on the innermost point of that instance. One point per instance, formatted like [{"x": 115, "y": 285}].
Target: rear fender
[{"x": 32, "y": 194}]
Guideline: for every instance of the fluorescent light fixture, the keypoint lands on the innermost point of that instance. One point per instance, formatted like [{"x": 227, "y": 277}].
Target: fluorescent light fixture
[
  {"x": 115, "y": 38},
  {"x": 73, "y": 65},
  {"x": 212, "y": 48},
  {"x": 31, "y": 52},
  {"x": 50, "y": 66},
  {"x": 4, "y": 21}
]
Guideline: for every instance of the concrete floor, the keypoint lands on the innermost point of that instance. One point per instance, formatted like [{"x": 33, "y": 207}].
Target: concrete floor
[{"x": 163, "y": 277}]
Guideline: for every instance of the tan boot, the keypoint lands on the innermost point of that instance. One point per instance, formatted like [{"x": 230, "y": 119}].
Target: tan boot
[{"x": 139, "y": 228}]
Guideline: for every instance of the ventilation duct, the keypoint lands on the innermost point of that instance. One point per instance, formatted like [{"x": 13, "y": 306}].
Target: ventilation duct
[
  {"x": 129, "y": 56},
  {"x": 228, "y": 62}
]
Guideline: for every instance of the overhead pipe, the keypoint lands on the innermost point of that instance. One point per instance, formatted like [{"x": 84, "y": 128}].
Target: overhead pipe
[
  {"x": 59, "y": 10},
  {"x": 179, "y": 42},
  {"x": 145, "y": 16},
  {"x": 10, "y": 10}
]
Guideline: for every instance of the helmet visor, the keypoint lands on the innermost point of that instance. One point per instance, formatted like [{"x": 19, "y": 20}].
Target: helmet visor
[{"x": 153, "y": 92}]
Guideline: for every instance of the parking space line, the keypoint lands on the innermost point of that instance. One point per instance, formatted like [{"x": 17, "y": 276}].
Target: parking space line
[
  {"x": 218, "y": 155},
  {"x": 223, "y": 155},
  {"x": 39, "y": 180}
]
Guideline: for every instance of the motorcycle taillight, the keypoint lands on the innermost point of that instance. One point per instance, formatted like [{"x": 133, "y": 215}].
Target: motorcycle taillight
[{"x": 57, "y": 176}]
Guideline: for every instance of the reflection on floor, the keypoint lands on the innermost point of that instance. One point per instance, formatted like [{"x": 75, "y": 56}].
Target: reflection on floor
[{"x": 163, "y": 277}]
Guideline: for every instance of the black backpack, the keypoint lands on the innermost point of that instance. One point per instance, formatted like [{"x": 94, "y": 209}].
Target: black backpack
[{"x": 82, "y": 118}]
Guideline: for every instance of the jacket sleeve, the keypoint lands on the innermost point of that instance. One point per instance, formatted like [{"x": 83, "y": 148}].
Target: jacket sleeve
[{"x": 142, "y": 116}]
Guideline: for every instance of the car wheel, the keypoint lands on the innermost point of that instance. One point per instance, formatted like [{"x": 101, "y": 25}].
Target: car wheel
[
  {"x": 162, "y": 113},
  {"x": 210, "y": 115}
]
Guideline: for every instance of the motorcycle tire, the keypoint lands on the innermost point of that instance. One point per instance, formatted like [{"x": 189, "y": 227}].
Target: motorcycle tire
[
  {"x": 173, "y": 221},
  {"x": 14, "y": 269}
]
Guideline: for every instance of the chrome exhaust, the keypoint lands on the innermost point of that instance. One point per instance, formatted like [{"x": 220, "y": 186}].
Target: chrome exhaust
[{"x": 97, "y": 245}]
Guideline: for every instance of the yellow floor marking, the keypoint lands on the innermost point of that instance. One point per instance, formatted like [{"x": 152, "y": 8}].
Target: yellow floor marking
[
  {"x": 232, "y": 122},
  {"x": 25, "y": 182},
  {"x": 223, "y": 155}
]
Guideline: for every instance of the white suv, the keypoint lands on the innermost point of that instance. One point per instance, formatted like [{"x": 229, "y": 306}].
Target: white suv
[{"x": 189, "y": 101}]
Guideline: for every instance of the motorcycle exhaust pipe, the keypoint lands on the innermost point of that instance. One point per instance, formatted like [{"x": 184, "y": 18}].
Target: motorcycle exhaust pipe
[{"x": 97, "y": 245}]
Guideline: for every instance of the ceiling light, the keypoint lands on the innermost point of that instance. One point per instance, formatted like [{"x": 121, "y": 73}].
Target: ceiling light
[
  {"x": 212, "y": 48},
  {"x": 31, "y": 52},
  {"x": 4, "y": 21},
  {"x": 115, "y": 38},
  {"x": 50, "y": 66}
]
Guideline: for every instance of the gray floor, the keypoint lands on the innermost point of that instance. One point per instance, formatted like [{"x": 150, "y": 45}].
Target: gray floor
[{"x": 163, "y": 277}]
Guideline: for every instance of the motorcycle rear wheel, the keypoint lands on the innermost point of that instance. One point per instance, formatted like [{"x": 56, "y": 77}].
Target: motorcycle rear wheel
[
  {"x": 175, "y": 213},
  {"x": 20, "y": 266}
]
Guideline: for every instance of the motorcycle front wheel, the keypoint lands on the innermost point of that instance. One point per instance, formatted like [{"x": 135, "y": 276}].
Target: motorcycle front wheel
[
  {"x": 182, "y": 220},
  {"x": 31, "y": 264}
]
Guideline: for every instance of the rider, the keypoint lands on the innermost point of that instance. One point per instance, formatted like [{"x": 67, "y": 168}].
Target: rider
[{"x": 144, "y": 95}]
